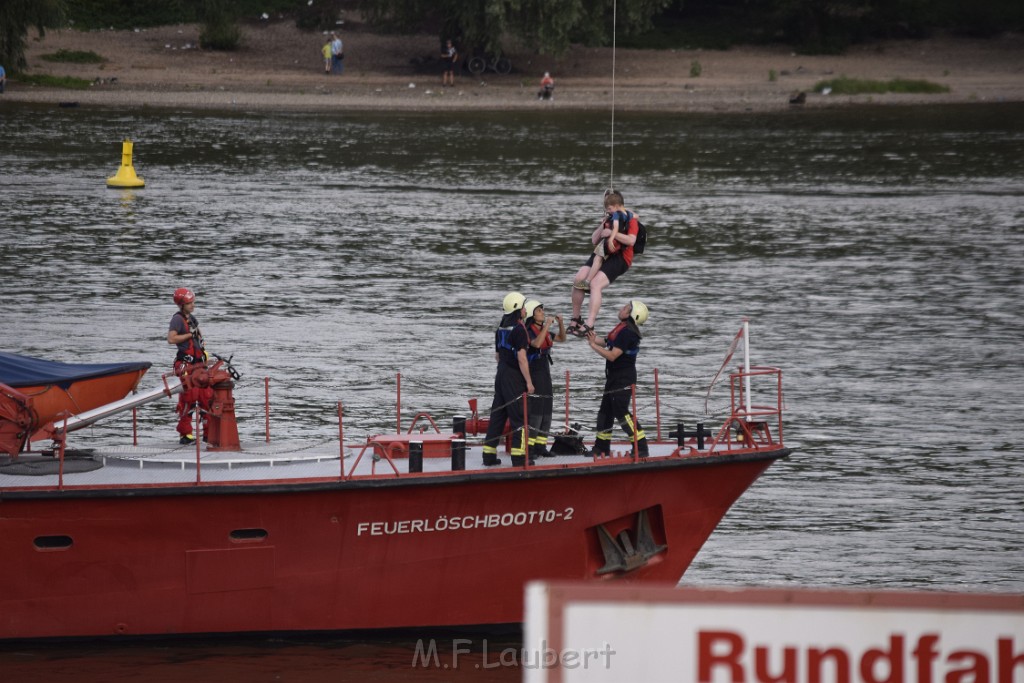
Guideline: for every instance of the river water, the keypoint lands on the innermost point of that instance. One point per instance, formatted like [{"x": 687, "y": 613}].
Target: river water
[{"x": 877, "y": 252}]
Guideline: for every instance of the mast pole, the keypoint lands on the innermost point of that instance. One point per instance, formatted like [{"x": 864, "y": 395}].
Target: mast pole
[
  {"x": 746, "y": 364},
  {"x": 611, "y": 169}
]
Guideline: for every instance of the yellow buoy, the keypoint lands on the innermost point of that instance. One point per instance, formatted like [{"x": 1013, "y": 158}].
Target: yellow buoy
[{"x": 126, "y": 174}]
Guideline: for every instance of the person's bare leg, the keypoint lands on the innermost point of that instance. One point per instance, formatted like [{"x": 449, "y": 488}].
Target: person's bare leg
[
  {"x": 594, "y": 269},
  {"x": 578, "y": 294},
  {"x": 597, "y": 286}
]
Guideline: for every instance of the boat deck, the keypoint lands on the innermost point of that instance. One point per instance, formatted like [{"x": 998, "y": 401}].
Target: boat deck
[{"x": 171, "y": 464}]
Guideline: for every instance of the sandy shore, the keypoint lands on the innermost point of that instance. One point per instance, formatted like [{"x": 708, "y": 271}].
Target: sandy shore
[{"x": 279, "y": 67}]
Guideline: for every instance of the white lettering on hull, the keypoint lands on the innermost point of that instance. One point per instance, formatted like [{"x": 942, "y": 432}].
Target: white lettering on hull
[{"x": 464, "y": 522}]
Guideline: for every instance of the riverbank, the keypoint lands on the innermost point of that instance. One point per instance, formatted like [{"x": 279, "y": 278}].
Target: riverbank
[{"x": 279, "y": 68}]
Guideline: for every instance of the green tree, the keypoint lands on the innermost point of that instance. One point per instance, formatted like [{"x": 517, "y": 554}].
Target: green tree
[
  {"x": 16, "y": 17},
  {"x": 220, "y": 28},
  {"x": 545, "y": 25},
  {"x": 832, "y": 25}
]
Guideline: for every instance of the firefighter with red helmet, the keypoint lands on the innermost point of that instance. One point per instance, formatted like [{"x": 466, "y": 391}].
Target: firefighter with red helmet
[{"x": 184, "y": 333}]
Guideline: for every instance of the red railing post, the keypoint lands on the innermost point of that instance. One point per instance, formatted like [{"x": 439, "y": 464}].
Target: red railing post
[
  {"x": 266, "y": 403},
  {"x": 341, "y": 442},
  {"x": 398, "y": 404},
  {"x": 63, "y": 441},
  {"x": 782, "y": 441},
  {"x": 199, "y": 439},
  {"x": 636, "y": 428},
  {"x": 526, "y": 431},
  {"x": 657, "y": 403},
  {"x": 567, "y": 401}
]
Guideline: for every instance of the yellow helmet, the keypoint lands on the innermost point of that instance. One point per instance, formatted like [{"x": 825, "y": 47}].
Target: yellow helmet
[
  {"x": 531, "y": 306},
  {"x": 513, "y": 301},
  {"x": 638, "y": 311}
]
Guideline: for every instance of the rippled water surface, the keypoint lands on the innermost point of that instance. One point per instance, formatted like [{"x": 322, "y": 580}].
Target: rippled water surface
[{"x": 878, "y": 253}]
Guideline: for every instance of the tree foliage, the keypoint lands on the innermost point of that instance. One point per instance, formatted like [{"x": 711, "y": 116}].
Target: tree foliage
[
  {"x": 220, "y": 29},
  {"x": 121, "y": 14},
  {"x": 124, "y": 14},
  {"x": 16, "y": 18},
  {"x": 544, "y": 25},
  {"x": 832, "y": 25},
  {"x": 550, "y": 26}
]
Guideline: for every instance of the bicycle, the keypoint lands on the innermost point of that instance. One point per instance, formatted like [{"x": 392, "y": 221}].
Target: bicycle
[{"x": 499, "y": 64}]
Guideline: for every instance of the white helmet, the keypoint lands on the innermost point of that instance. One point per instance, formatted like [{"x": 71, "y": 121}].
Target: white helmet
[
  {"x": 531, "y": 306},
  {"x": 638, "y": 311},
  {"x": 513, "y": 301}
]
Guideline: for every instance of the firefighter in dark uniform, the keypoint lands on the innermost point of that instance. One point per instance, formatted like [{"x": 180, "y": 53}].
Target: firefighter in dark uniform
[
  {"x": 538, "y": 328},
  {"x": 184, "y": 333},
  {"x": 620, "y": 349},
  {"x": 510, "y": 381}
]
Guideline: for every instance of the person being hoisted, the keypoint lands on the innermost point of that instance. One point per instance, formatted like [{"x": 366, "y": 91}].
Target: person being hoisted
[
  {"x": 184, "y": 333},
  {"x": 614, "y": 243}
]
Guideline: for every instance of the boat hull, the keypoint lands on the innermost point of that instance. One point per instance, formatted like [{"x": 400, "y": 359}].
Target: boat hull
[{"x": 447, "y": 550}]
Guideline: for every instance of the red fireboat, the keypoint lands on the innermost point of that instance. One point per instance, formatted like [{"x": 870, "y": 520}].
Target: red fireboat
[{"x": 403, "y": 530}]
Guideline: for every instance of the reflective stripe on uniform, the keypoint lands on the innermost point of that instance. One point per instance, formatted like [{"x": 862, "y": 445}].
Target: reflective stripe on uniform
[{"x": 631, "y": 427}]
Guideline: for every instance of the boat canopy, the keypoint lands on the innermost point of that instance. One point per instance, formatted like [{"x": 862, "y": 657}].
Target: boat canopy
[{"x": 23, "y": 371}]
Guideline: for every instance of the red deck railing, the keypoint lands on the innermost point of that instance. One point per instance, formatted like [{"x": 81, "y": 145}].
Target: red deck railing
[{"x": 753, "y": 428}]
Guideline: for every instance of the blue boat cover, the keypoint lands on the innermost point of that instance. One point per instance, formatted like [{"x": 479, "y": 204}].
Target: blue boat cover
[{"x": 23, "y": 371}]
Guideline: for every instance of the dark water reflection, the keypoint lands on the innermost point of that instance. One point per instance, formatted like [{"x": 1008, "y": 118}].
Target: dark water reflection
[{"x": 877, "y": 251}]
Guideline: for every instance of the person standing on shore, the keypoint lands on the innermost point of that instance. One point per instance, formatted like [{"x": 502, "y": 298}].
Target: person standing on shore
[
  {"x": 337, "y": 54},
  {"x": 328, "y": 56},
  {"x": 184, "y": 333},
  {"x": 449, "y": 55},
  {"x": 547, "y": 87}
]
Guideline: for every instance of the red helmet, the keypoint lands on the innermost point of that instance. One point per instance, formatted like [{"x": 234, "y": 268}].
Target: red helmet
[{"x": 183, "y": 295}]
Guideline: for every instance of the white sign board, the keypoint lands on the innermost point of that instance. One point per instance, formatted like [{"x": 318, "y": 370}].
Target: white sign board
[{"x": 599, "y": 632}]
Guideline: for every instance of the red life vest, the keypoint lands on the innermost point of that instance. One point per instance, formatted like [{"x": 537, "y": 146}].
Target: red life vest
[
  {"x": 194, "y": 347},
  {"x": 535, "y": 352},
  {"x": 632, "y": 227}
]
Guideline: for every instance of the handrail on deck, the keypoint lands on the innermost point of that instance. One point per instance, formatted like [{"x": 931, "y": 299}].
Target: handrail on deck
[
  {"x": 750, "y": 428},
  {"x": 429, "y": 418},
  {"x": 373, "y": 466}
]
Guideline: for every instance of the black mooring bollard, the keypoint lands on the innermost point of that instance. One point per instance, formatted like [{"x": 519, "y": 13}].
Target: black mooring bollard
[
  {"x": 458, "y": 455},
  {"x": 459, "y": 424},
  {"x": 681, "y": 435},
  {"x": 701, "y": 433},
  {"x": 415, "y": 456}
]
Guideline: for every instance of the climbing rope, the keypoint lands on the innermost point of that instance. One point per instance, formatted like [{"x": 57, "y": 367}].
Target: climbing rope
[{"x": 611, "y": 169}]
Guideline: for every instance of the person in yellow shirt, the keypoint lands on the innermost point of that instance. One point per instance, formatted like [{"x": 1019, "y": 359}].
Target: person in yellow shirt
[{"x": 328, "y": 57}]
